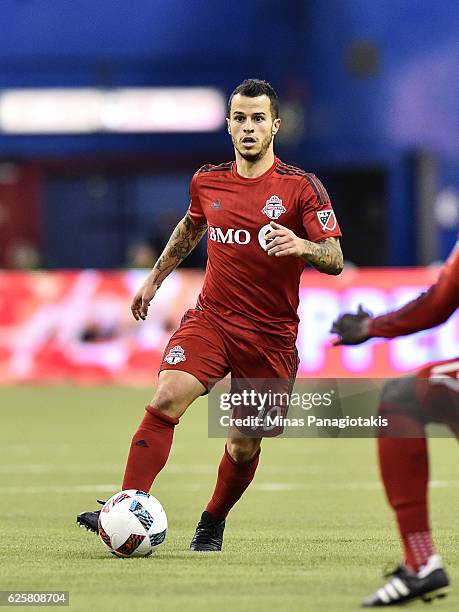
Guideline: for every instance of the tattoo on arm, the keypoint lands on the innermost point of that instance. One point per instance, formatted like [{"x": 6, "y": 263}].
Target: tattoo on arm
[
  {"x": 326, "y": 255},
  {"x": 183, "y": 240}
]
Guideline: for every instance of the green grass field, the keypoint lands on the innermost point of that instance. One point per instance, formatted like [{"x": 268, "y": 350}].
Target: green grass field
[{"x": 312, "y": 532}]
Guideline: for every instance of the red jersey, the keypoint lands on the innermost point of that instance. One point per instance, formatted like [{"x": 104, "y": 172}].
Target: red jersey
[
  {"x": 255, "y": 294},
  {"x": 431, "y": 308}
]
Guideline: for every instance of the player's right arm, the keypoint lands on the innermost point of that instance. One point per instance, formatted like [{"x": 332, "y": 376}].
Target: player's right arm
[
  {"x": 183, "y": 240},
  {"x": 428, "y": 310}
]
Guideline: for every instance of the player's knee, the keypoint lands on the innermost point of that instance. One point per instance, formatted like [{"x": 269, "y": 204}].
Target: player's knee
[
  {"x": 168, "y": 400},
  {"x": 242, "y": 450},
  {"x": 400, "y": 410},
  {"x": 398, "y": 393},
  {"x": 391, "y": 391},
  {"x": 388, "y": 396}
]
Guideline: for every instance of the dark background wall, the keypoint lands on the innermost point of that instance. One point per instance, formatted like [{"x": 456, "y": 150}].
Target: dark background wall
[{"x": 370, "y": 92}]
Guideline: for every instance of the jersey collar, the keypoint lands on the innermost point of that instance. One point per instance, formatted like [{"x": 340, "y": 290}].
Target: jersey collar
[{"x": 243, "y": 179}]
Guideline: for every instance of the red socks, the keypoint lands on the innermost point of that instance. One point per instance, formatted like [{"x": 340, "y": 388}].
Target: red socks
[
  {"x": 232, "y": 480},
  {"x": 405, "y": 472},
  {"x": 418, "y": 548},
  {"x": 149, "y": 450}
]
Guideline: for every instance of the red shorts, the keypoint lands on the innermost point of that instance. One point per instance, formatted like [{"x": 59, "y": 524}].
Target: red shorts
[
  {"x": 437, "y": 391},
  {"x": 207, "y": 351},
  {"x": 204, "y": 349}
]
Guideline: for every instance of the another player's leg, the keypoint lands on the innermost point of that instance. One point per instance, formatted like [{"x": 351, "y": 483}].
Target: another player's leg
[
  {"x": 403, "y": 460},
  {"x": 151, "y": 443},
  {"x": 236, "y": 471}
]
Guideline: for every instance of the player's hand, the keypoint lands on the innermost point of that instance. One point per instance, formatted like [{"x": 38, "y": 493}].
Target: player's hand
[
  {"x": 281, "y": 241},
  {"x": 142, "y": 299},
  {"x": 352, "y": 328}
]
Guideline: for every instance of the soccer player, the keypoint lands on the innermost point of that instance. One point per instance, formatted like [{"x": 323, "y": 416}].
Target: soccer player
[
  {"x": 431, "y": 395},
  {"x": 265, "y": 219}
]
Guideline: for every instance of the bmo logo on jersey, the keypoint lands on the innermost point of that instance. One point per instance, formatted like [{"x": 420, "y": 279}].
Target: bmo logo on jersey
[
  {"x": 229, "y": 236},
  {"x": 238, "y": 236}
]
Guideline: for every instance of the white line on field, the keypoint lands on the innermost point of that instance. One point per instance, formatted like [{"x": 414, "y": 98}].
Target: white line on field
[
  {"x": 34, "y": 490},
  {"x": 274, "y": 486},
  {"x": 76, "y": 468},
  {"x": 50, "y": 468},
  {"x": 173, "y": 468},
  {"x": 266, "y": 486}
]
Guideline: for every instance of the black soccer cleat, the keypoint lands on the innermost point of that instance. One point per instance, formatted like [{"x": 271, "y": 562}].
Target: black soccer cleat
[
  {"x": 90, "y": 520},
  {"x": 209, "y": 534},
  {"x": 429, "y": 583}
]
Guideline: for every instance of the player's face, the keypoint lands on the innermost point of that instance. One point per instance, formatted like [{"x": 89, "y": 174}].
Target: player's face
[{"x": 251, "y": 126}]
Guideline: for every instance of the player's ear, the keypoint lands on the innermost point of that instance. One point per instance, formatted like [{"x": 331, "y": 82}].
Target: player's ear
[
  {"x": 228, "y": 125},
  {"x": 276, "y": 125}
]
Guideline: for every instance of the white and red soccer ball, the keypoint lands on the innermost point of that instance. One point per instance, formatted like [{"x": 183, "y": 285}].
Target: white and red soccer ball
[{"x": 132, "y": 524}]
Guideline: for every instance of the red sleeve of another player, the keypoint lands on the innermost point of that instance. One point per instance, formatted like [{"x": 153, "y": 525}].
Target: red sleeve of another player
[
  {"x": 431, "y": 308},
  {"x": 319, "y": 218},
  {"x": 195, "y": 209}
]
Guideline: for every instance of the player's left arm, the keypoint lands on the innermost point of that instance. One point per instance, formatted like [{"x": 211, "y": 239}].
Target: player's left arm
[{"x": 326, "y": 255}]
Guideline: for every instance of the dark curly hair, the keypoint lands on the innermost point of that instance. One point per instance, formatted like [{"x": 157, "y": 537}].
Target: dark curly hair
[{"x": 253, "y": 88}]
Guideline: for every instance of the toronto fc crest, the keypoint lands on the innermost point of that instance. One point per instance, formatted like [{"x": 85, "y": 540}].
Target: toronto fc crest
[
  {"x": 175, "y": 355},
  {"x": 274, "y": 208}
]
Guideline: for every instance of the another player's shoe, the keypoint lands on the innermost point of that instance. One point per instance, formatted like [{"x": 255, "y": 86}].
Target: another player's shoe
[
  {"x": 90, "y": 520},
  {"x": 209, "y": 534},
  {"x": 429, "y": 583}
]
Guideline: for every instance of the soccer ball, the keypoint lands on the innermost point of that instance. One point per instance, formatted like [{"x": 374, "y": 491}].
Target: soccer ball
[{"x": 132, "y": 524}]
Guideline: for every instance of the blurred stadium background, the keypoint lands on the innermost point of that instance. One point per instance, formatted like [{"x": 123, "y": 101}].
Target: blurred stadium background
[{"x": 106, "y": 111}]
